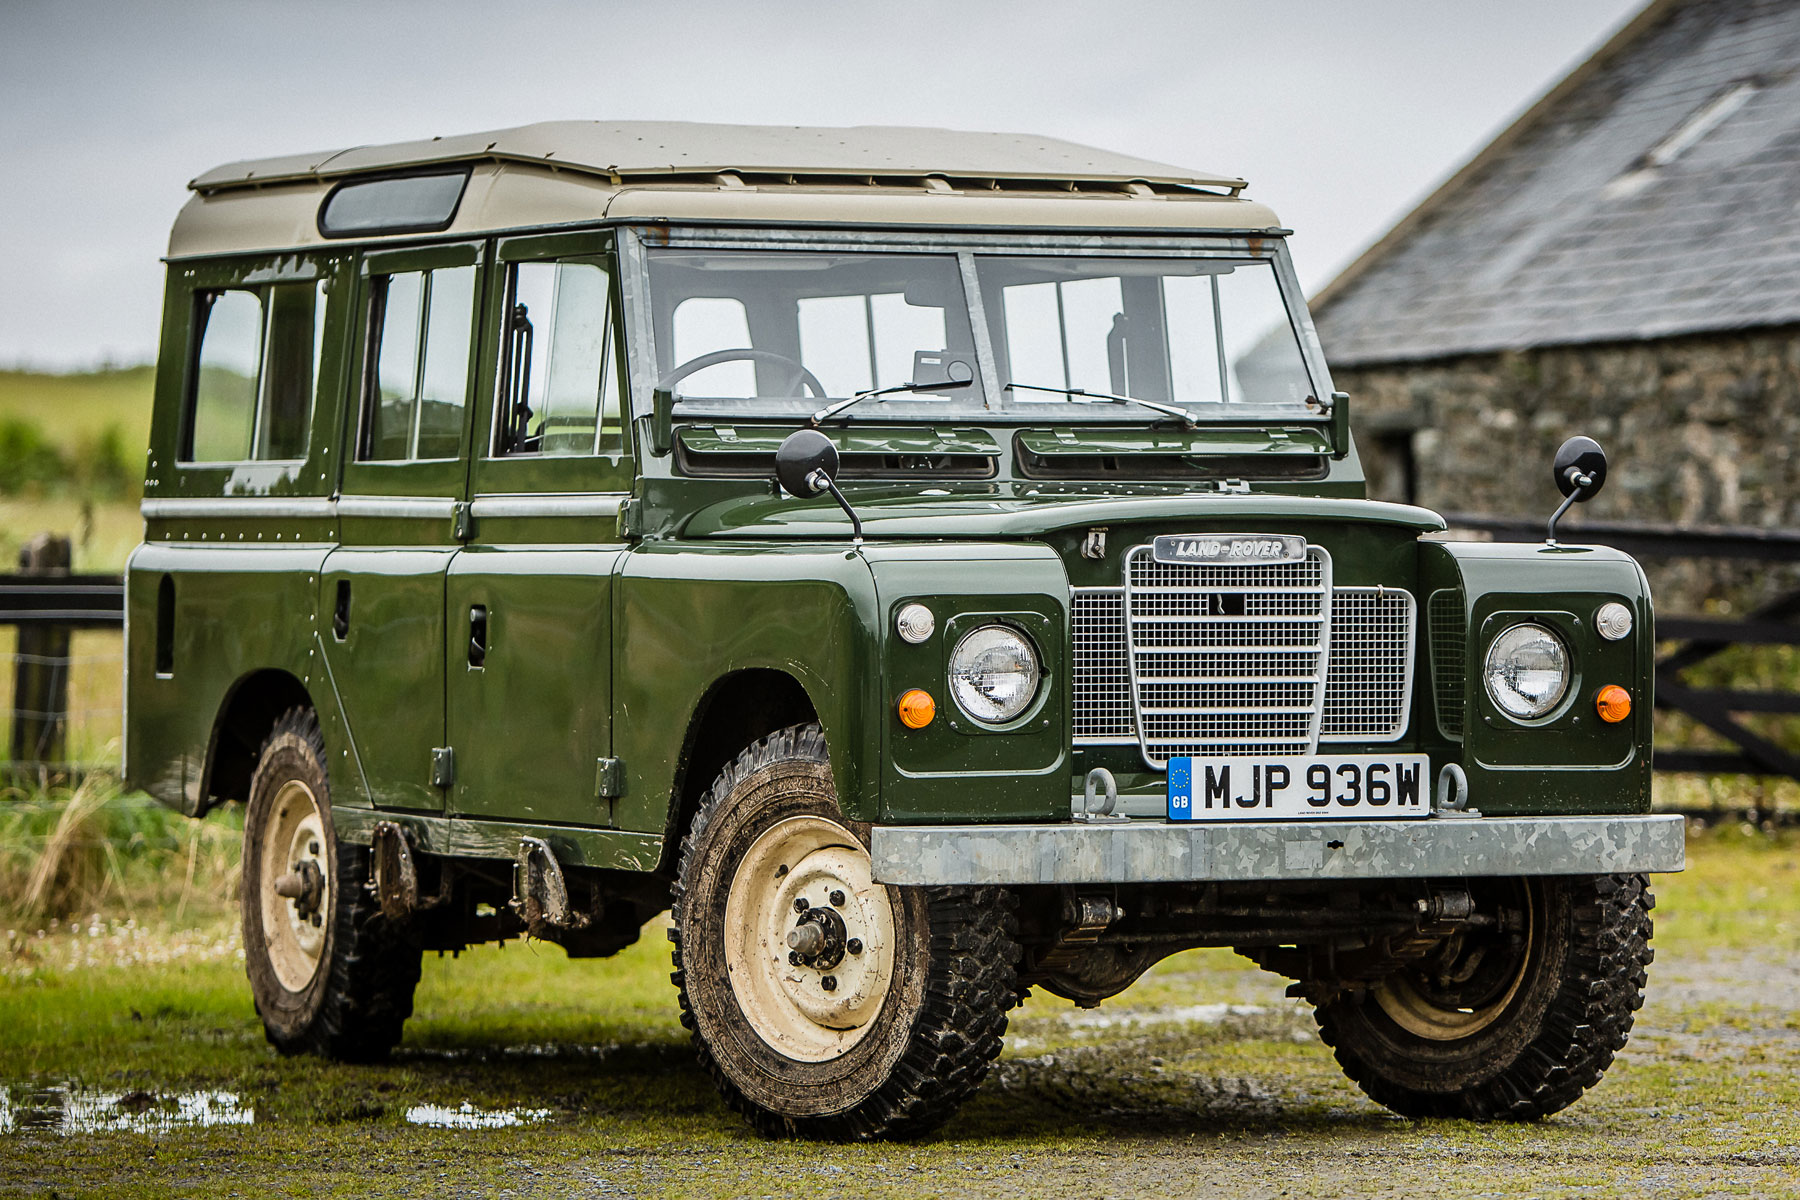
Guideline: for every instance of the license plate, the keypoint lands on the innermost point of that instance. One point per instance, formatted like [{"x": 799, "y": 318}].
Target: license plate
[{"x": 1299, "y": 787}]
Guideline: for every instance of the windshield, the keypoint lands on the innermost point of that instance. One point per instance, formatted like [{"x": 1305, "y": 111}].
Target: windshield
[
  {"x": 1189, "y": 332},
  {"x": 784, "y": 332},
  {"x": 777, "y": 332}
]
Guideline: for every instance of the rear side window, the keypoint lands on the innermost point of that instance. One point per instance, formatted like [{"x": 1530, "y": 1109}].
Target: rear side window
[
  {"x": 414, "y": 204},
  {"x": 416, "y": 384},
  {"x": 559, "y": 378},
  {"x": 256, "y": 373}
]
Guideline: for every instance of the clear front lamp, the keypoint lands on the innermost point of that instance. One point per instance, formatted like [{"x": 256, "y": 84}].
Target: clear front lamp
[
  {"x": 994, "y": 674},
  {"x": 1527, "y": 671}
]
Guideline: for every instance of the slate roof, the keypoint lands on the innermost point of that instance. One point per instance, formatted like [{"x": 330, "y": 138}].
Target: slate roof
[{"x": 1653, "y": 193}]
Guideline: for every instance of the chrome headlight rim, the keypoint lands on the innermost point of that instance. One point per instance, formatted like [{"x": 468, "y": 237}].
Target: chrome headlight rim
[
  {"x": 1508, "y": 644},
  {"x": 961, "y": 674}
]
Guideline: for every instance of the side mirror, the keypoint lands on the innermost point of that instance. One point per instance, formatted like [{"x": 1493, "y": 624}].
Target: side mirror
[
  {"x": 806, "y": 463},
  {"x": 1580, "y": 469}
]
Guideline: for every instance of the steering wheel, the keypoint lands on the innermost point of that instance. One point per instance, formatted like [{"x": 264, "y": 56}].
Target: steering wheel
[{"x": 797, "y": 372}]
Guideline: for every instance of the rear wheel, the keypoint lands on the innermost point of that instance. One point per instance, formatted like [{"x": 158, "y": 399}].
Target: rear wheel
[
  {"x": 329, "y": 974},
  {"x": 1508, "y": 1022},
  {"x": 822, "y": 1003}
]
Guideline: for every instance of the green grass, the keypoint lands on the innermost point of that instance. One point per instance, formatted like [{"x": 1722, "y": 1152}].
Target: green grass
[
  {"x": 80, "y": 406},
  {"x": 1120, "y": 1101}
]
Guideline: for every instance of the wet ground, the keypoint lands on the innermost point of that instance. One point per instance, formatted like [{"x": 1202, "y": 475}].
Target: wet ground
[{"x": 527, "y": 1075}]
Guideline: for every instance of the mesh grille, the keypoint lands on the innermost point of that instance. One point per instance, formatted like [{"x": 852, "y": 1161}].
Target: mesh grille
[
  {"x": 1205, "y": 642},
  {"x": 1449, "y": 635},
  {"x": 1367, "y": 694},
  {"x": 1370, "y": 685},
  {"x": 1102, "y": 669}
]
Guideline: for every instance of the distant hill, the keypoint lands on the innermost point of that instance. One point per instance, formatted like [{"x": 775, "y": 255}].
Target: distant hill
[{"x": 75, "y": 409}]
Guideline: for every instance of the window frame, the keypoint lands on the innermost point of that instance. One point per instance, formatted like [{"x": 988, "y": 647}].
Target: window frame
[
  {"x": 312, "y": 474},
  {"x": 443, "y": 477},
  {"x": 612, "y": 469}
]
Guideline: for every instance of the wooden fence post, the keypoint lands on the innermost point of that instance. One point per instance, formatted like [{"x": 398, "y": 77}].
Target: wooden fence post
[{"x": 40, "y": 723}]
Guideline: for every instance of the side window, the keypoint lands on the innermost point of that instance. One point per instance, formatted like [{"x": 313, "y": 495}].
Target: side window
[
  {"x": 416, "y": 386},
  {"x": 559, "y": 379},
  {"x": 255, "y": 373}
]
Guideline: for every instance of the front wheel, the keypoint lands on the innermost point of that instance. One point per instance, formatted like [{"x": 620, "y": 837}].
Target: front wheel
[
  {"x": 1513, "y": 1021},
  {"x": 329, "y": 974},
  {"x": 822, "y": 1003}
]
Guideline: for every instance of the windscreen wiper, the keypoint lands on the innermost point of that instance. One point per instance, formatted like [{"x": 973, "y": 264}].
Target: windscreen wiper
[
  {"x": 830, "y": 411},
  {"x": 1083, "y": 396}
]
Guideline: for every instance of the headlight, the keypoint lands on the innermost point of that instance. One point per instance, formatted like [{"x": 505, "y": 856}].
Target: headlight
[
  {"x": 994, "y": 674},
  {"x": 1527, "y": 671}
]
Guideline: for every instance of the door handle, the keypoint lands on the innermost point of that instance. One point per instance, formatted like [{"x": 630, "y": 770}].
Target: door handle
[
  {"x": 340, "y": 616},
  {"x": 478, "y": 635}
]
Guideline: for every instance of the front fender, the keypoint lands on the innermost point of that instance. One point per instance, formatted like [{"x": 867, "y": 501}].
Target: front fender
[
  {"x": 689, "y": 614},
  {"x": 1569, "y": 760}
]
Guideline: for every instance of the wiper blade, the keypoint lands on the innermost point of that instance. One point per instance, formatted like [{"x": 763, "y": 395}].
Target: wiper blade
[
  {"x": 830, "y": 411},
  {"x": 1083, "y": 396}
]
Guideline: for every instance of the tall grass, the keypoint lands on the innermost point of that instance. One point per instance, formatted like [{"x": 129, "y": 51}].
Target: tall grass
[{"x": 67, "y": 851}]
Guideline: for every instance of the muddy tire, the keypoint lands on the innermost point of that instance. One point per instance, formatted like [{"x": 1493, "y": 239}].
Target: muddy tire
[
  {"x": 328, "y": 973},
  {"x": 886, "y": 1017},
  {"x": 1513, "y": 1026}
]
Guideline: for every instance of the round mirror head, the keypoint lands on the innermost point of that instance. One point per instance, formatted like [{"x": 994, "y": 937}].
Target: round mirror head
[
  {"x": 1580, "y": 456},
  {"x": 802, "y": 453}
]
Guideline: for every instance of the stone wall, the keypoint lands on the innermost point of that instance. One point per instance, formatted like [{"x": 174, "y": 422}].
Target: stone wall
[{"x": 1697, "y": 430}]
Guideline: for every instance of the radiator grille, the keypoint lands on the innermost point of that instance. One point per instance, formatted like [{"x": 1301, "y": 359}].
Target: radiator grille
[
  {"x": 1205, "y": 643},
  {"x": 1449, "y": 634},
  {"x": 1102, "y": 671},
  {"x": 1368, "y": 690}
]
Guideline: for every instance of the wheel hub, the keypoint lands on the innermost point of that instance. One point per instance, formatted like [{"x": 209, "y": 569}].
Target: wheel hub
[
  {"x": 1467, "y": 982},
  {"x": 296, "y": 885},
  {"x": 809, "y": 938}
]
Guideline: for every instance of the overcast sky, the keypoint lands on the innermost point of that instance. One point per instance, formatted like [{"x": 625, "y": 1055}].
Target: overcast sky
[{"x": 1341, "y": 113}]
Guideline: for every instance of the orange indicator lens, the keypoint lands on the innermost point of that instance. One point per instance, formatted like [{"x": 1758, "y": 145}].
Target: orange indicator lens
[
  {"x": 917, "y": 708},
  {"x": 1613, "y": 703}
]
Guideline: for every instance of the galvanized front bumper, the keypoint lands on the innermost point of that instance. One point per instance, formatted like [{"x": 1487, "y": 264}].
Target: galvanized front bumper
[{"x": 1163, "y": 852}]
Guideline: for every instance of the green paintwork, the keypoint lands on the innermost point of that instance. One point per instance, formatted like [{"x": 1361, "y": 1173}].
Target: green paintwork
[
  {"x": 1014, "y": 510},
  {"x": 1282, "y": 439},
  {"x": 765, "y": 439},
  {"x": 624, "y": 596},
  {"x": 1569, "y": 761}
]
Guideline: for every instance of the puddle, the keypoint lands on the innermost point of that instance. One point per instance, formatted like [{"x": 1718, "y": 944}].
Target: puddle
[
  {"x": 1199, "y": 1014},
  {"x": 74, "y": 1111},
  {"x": 436, "y": 1116}
]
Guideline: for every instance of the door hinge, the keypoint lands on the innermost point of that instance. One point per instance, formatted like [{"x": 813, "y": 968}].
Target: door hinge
[
  {"x": 443, "y": 766},
  {"x": 609, "y": 778},
  {"x": 462, "y": 521},
  {"x": 631, "y": 517}
]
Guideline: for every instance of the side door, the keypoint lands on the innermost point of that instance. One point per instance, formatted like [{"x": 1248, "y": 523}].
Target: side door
[
  {"x": 529, "y": 655},
  {"x": 381, "y": 603}
]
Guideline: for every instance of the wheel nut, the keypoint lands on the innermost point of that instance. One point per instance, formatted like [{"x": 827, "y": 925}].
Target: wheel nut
[
  {"x": 829, "y": 983},
  {"x": 854, "y": 945},
  {"x": 837, "y": 899},
  {"x": 800, "y": 904},
  {"x": 794, "y": 957}
]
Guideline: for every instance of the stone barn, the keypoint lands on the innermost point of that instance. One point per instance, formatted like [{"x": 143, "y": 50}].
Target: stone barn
[{"x": 1623, "y": 261}]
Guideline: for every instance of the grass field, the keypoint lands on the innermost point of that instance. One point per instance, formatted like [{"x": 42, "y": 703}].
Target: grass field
[
  {"x": 132, "y": 1064},
  {"x": 78, "y": 406}
]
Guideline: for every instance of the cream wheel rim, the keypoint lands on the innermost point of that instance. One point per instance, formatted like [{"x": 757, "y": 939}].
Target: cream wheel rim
[
  {"x": 1423, "y": 1017},
  {"x": 294, "y": 844},
  {"x": 801, "y": 874}
]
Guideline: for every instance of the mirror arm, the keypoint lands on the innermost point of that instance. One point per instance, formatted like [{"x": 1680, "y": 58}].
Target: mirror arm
[
  {"x": 825, "y": 483},
  {"x": 1582, "y": 483}
]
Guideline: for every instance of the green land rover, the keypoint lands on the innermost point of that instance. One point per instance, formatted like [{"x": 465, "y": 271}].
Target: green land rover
[{"x": 929, "y": 565}]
